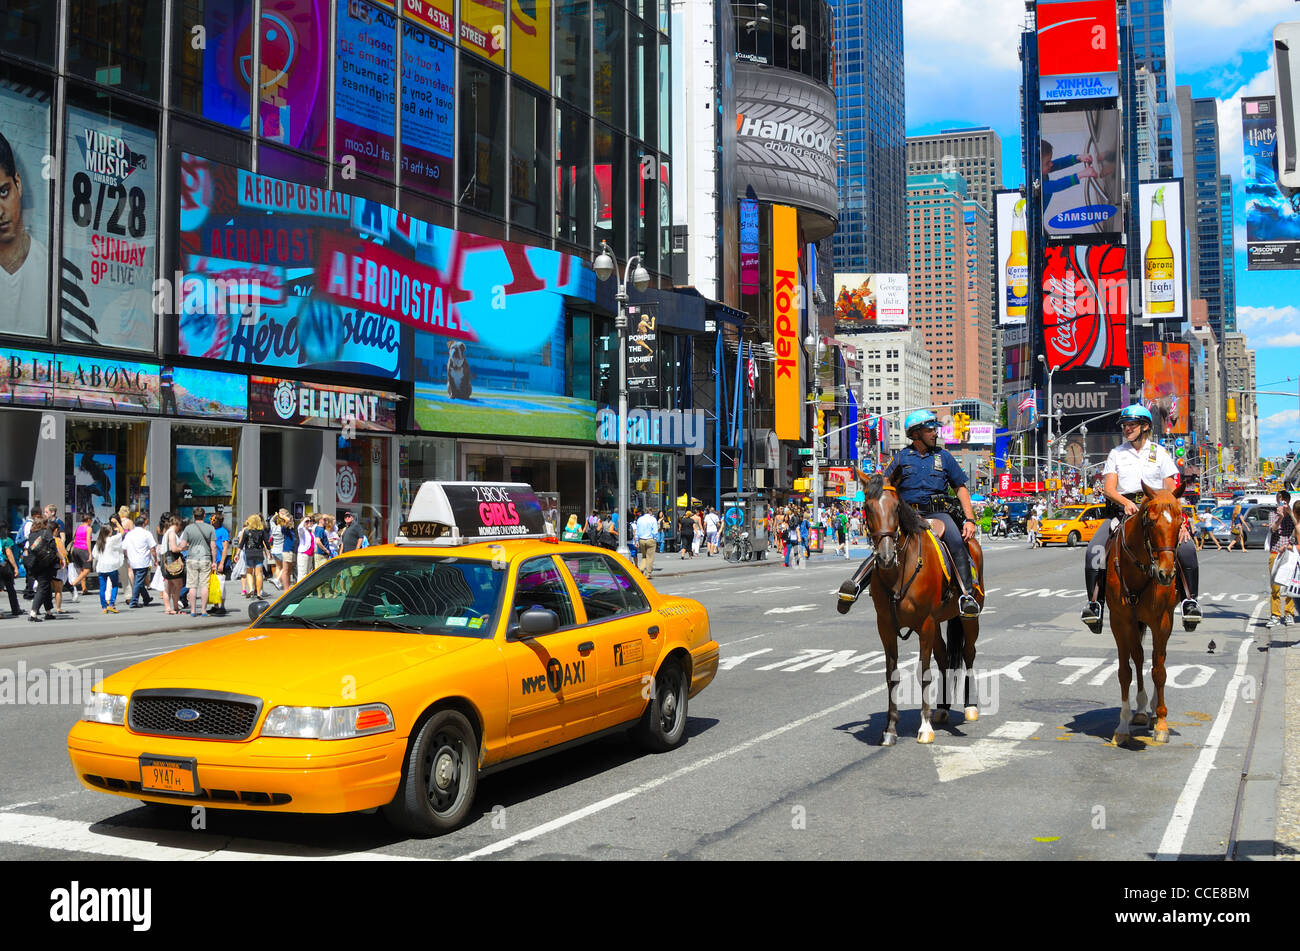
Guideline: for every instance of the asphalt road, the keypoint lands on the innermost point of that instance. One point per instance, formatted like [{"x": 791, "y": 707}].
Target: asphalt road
[{"x": 782, "y": 759}]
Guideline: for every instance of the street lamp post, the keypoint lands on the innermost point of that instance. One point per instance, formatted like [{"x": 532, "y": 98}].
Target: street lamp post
[
  {"x": 604, "y": 266},
  {"x": 1050, "y": 371},
  {"x": 815, "y": 341}
]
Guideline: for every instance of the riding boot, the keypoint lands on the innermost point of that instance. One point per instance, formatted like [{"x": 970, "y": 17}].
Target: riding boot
[
  {"x": 851, "y": 589},
  {"x": 1094, "y": 566},
  {"x": 1189, "y": 573},
  {"x": 967, "y": 605}
]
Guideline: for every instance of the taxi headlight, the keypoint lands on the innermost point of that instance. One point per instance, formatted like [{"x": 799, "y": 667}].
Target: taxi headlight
[
  {"x": 328, "y": 723},
  {"x": 105, "y": 708}
]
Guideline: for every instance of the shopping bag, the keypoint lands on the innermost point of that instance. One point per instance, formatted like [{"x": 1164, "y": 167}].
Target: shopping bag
[
  {"x": 240, "y": 567},
  {"x": 1284, "y": 566},
  {"x": 215, "y": 592},
  {"x": 157, "y": 583}
]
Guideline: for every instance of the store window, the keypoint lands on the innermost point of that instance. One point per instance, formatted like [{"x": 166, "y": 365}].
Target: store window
[
  {"x": 573, "y": 52},
  {"x": 105, "y": 469},
  {"x": 207, "y": 78},
  {"x": 530, "y": 160},
  {"x": 204, "y": 469},
  {"x": 28, "y": 28},
  {"x": 482, "y": 138},
  {"x": 573, "y": 183},
  {"x": 424, "y": 460},
  {"x": 611, "y": 61},
  {"x": 117, "y": 43},
  {"x": 361, "y": 483}
]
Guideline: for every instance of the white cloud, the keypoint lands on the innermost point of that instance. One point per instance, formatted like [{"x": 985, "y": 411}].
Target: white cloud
[
  {"x": 1254, "y": 319},
  {"x": 1287, "y": 419},
  {"x": 1229, "y": 109},
  {"x": 1286, "y": 340},
  {"x": 1208, "y": 32}
]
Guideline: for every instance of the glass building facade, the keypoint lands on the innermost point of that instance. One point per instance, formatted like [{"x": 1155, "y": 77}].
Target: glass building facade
[
  {"x": 1153, "y": 48},
  {"x": 872, "y": 152}
]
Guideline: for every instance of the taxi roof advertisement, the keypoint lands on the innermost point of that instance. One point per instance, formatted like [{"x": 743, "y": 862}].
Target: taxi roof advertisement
[{"x": 1077, "y": 50}]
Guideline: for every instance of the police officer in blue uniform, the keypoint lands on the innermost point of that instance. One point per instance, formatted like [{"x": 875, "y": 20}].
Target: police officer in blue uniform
[{"x": 927, "y": 473}]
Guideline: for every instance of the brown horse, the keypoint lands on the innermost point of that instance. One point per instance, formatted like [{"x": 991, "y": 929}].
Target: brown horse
[
  {"x": 909, "y": 590},
  {"x": 1141, "y": 594}
]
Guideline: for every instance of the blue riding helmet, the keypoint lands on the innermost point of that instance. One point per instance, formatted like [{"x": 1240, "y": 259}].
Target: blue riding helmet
[
  {"x": 921, "y": 417},
  {"x": 1136, "y": 411}
]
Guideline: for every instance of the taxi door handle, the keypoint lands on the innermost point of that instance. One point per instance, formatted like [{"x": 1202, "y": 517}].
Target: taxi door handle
[
  {"x": 654, "y": 631},
  {"x": 586, "y": 646}
]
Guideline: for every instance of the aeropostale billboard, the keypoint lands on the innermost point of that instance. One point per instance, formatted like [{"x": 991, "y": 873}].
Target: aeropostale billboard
[{"x": 785, "y": 323}]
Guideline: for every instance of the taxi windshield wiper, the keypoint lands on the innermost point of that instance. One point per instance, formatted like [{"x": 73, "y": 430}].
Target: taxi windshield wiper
[
  {"x": 387, "y": 622},
  {"x": 310, "y": 622}
]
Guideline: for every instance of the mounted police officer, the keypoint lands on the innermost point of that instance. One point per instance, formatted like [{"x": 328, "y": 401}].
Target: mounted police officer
[
  {"x": 1138, "y": 460},
  {"x": 927, "y": 474}
]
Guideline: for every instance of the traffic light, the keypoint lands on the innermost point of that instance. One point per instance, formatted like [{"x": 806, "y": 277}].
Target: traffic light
[
  {"x": 821, "y": 422},
  {"x": 802, "y": 485},
  {"x": 960, "y": 426},
  {"x": 1231, "y": 415}
]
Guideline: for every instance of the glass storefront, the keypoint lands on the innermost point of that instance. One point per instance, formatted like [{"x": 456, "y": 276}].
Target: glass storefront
[
  {"x": 546, "y": 469},
  {"x": 205, "y": 469},
  {"x": 423, "y": 460},
  {"x": 651, "y": 480},
  {"x": 106, "y": 468},
  {"x": 361, "y": 483}
]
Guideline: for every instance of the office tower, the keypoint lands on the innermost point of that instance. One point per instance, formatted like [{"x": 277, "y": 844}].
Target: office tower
[
  {"x": 871, "y": 237},
  {"x": 974, "y": 154}
]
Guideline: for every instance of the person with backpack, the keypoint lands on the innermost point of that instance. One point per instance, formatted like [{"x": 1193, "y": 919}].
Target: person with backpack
[
  {"x": 45, "y": 555},
  {"x": 107, "y": 556},
  {"x": 8, "y": 568},
  {"x": 254, "y": 542},
  {"x": 322, "y": 551},
  {"x": 20, "y": 543},
  {"x": 306, "y": 545}
]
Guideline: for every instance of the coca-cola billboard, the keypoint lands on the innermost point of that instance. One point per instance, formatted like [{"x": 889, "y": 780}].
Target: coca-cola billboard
[{"x": 1085, "y": 306}]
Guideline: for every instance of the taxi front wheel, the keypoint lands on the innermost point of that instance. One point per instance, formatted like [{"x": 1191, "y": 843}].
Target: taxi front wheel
[
  {"x": 439, "y": 779},
  {"x": 663, "y": 724}
]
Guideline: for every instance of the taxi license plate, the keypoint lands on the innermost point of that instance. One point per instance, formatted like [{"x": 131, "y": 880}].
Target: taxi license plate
[{"x": 169, "y": 775}]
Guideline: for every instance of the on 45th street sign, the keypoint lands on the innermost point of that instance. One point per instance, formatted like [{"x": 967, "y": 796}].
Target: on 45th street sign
[{"x": 805, "y": 450}]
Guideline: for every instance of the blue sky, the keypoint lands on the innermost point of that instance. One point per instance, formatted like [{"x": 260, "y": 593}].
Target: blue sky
[{"x": 962, "y": 69}]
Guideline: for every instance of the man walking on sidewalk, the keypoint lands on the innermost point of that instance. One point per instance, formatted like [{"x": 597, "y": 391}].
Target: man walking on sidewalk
[
  {"x": 140, "y": 548},
  {"x": 645, "y": 528},
  {"x": 1281, "y": 529}
]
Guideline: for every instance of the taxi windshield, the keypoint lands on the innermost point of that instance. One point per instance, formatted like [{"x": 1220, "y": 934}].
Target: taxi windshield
[
  {"x": 1067, "y": 515},
  {"x": 421, "y": 594}
]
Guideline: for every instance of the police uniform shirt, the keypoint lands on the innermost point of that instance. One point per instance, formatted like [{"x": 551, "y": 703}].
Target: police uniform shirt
[
  {"x": 927, "y": 474},
  {"x": 1151, "y": 464}
]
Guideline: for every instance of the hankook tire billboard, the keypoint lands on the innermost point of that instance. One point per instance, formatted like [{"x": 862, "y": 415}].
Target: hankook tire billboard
[{"x": 785, "y": 138}]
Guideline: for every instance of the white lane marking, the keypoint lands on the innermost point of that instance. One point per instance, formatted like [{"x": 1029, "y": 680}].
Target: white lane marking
[
  {"x": 36, "y": 802},
  {"x": 118, "y": 655},
  {"x": 1176, "y": 832},
  {"x": 1086, "y": 665},
  {"x": 595, "y": 807},
  {"x": 793, "y": 609},
  {"x": 998, "y": 749},
  {"x": 742, "y": 640},
  {"x": 65, "y": 835},
  {"x": 1011, "y": 670},
  {"x": 805, "y": 654},
  {"x": 67, "y": 665},
  {"x": 729, "y": 662}
]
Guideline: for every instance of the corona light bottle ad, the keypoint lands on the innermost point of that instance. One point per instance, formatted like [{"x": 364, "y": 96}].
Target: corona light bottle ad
[
  {"x": 1158, "y": 262},
  {"x": 1018, "y": 265}
]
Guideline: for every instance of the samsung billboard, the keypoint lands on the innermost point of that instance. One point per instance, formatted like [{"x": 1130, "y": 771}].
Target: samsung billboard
[{"x": 785, "y": 137}]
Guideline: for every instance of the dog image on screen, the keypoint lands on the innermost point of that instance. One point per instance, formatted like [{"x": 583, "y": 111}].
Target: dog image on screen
[{"x": 458, "y": 375}]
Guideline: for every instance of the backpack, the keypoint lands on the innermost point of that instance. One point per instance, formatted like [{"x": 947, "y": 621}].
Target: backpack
[{"x": 42, "y": 555}]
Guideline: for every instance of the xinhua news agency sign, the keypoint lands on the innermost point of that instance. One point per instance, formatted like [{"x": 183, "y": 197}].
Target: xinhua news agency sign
[{"x": 1077, "y": 52}]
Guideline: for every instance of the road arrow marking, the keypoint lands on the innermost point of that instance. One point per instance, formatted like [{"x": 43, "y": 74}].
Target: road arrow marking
[
  {"x": 998, "y": 749},
  {"x": 793, "y": 609}
]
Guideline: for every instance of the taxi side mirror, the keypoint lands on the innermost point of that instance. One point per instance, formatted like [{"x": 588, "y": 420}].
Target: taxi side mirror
[
  {"x": 538, "y": 621},
  {"x": 256, "y": 608}
]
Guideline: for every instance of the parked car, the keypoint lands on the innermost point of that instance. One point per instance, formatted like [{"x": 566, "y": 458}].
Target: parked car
[{"x": 1256, "y": 518}]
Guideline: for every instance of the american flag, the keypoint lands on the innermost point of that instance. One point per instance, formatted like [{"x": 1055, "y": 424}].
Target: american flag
[
  {"x": 753, "y": 369},
  {"x": 1029, "y": 401}
]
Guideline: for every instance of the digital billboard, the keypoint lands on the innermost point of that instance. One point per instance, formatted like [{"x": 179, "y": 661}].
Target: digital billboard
[
  {"x": 211, "y": 393},
  {"x": 1272, "y": 219},
  {"x": 1164, "y": 266},
  {"x": 428, "y": 111},
  {"x": 1012, "y": 258},
  {"x": 203, "y": 472},
  {"x": 24, "y": 211},
  {"x": 1165, "y": 385},
  {"x": 1085, "y": 306},
  {"x": 110, "y": 232},
  {"x": 1077, "y": 50},
  {"x": 365, "y": 124},
  {"x": 867, "y": 300},
  {"x": 438, "y": 15},
  {"x": 1080, "y": 172},
  {"x": 292, "y": 91}
]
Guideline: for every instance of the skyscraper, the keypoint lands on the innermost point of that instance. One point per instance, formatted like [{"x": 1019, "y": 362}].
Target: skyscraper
[
  {"x": 1226, "y": 255},
  {"x": 1153, "y": 48},
  {"x": 1203, "y": 203},
  {"x": 974, "y": 154},
  {"x": 872, "y": 233}
]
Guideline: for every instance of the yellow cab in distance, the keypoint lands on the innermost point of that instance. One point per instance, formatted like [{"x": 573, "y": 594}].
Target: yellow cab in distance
[
  {"x": 394, "y": 676},
  {"x": 1071, "y": 525}
]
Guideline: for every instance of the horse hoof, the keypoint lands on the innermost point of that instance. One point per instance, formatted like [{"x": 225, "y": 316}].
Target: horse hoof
[
  {"x": 1141, "y": 719},
  {"x": 940, "y": 716},
  {"x": 972, "y": 714},
  {"x": 1162, "y": 736},
  {"x": 925, "y": 736},
  {"x": 1120, "y": 739},
  {"x": 889, "y": 739}
]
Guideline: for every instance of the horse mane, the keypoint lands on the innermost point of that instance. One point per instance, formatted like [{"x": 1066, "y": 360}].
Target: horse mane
[
  {"x": 875, "y": 486},
  {"x": 910, "y": 521}
]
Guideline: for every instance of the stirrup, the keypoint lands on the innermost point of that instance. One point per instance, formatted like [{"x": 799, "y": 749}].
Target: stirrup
[
  {"x": 1091, "y": 616},
  {"x": 967, "y": 606},
  {"x": 849, "y": 593},
  {"x": 1193, "y": 617}
]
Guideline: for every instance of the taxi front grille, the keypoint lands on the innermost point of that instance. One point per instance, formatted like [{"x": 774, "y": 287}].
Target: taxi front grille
[
  {"x": 200, "y": 714},
  {"x": 247, "y": 797}
]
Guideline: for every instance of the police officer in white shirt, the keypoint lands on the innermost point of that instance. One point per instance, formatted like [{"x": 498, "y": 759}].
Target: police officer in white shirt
[{"x": 1138, "y": 460}]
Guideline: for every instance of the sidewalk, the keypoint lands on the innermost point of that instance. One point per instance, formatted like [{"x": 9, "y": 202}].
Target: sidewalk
[{"x": 672, "y": 565}]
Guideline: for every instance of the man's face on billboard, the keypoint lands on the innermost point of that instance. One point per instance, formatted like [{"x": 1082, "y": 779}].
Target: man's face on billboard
[{"x": 11, "y": 207}]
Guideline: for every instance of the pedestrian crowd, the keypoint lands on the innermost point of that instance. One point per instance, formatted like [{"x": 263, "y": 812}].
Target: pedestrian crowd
[{"x": 187, "y": 561}]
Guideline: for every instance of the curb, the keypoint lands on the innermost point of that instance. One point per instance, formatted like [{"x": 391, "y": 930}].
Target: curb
[{"x": 109, "y": 637}]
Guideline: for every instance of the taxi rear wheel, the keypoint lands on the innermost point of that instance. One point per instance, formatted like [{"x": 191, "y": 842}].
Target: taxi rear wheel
[
  {"x": 440, "y": 777},
  {"x": 663, "y": 725}
]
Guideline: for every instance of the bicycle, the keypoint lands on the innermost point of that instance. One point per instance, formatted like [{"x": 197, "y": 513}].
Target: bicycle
[{"x": 736, "y": 546}]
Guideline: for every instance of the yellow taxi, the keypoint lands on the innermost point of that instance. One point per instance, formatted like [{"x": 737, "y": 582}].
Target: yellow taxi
[
  {"x": 1071, "y": 524},
  {"x": 394, "y": 676}
]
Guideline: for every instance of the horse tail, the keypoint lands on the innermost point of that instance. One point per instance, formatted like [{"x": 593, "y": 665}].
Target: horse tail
[{"x": 956, "y": 642}]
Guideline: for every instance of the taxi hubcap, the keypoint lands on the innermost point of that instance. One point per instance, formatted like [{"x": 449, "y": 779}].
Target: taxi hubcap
[
  {"x": 669, "y": 708},
  {"x": 444, "y": 770}
]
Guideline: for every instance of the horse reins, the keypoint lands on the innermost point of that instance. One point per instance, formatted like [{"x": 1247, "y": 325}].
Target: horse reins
[
  {"x": 1149, "y": 569},
  {"x": 896, "y": 596}
]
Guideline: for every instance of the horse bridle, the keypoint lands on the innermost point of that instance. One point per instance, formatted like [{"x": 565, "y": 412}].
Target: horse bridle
[
  {"x": 896, "y": 594},
  {"x": 1150, "y": 569},
  {"x": 894, "y": 534}
]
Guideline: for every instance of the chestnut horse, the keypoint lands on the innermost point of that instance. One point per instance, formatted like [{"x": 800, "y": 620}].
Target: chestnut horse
[
  {"x": 908, "y": 588},
  {"x": 1141, "y": 593}
]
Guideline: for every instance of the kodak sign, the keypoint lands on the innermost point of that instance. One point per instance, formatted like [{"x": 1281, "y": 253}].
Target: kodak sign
[{"x": 785, "y": 322}]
